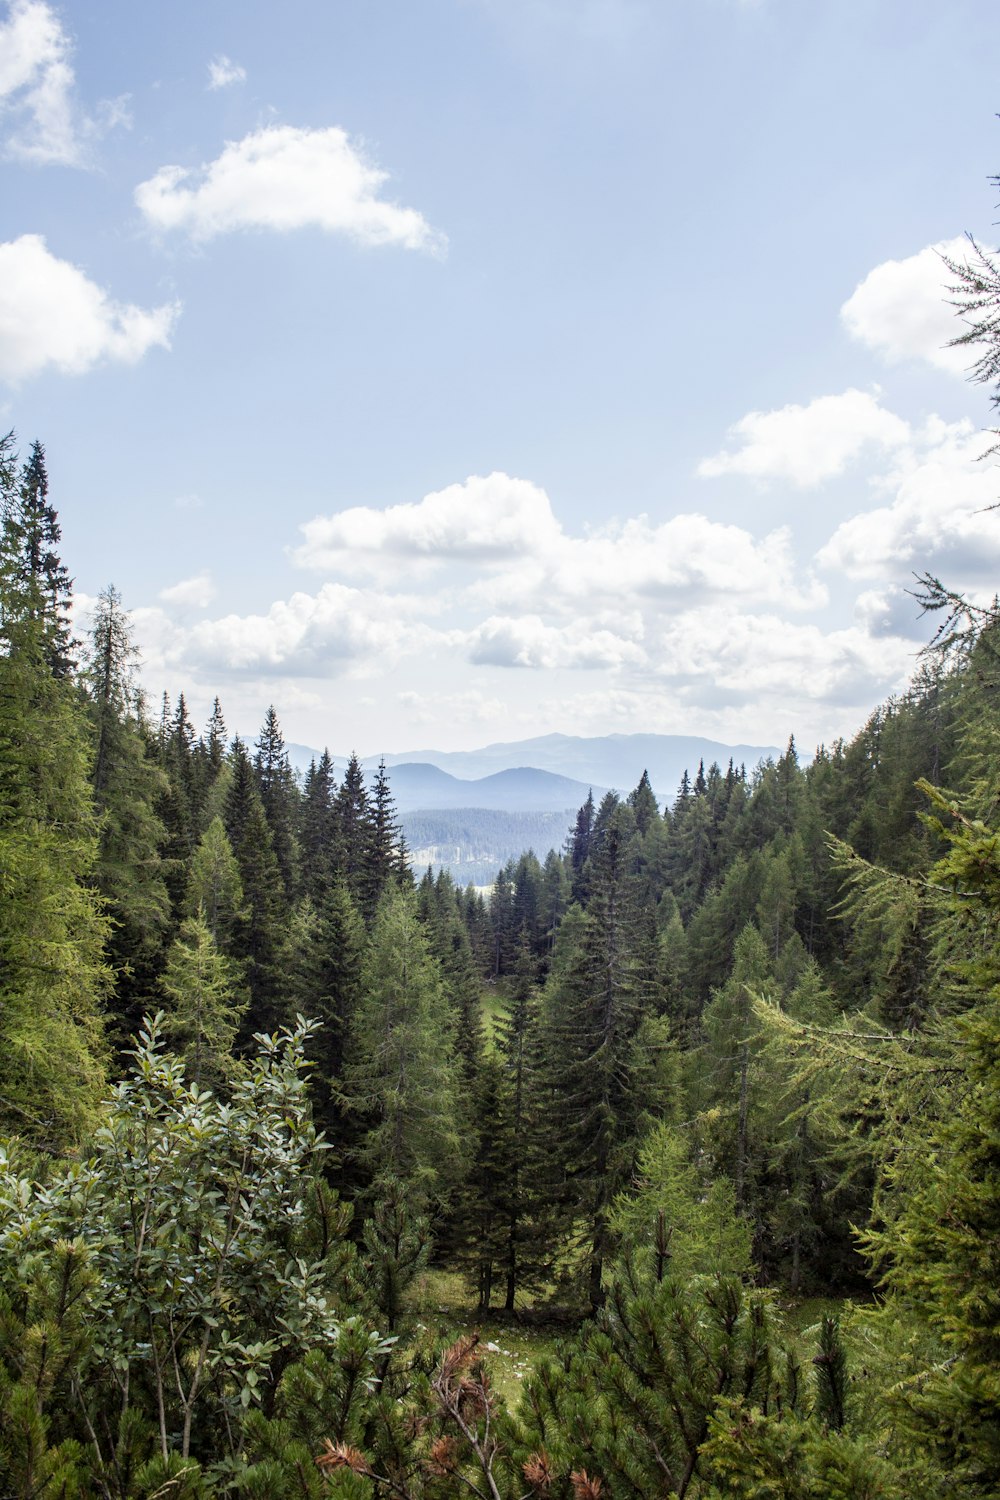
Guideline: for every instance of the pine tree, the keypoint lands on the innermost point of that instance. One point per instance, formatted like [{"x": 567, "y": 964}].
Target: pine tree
[
  {"x": 643, "y": 803},
  {"x": 579, "y": 849},
  {"x": 353, "y": 829},
  {"x": 527, "y": 1230},
  {"x": 729, "y": 1070},
  {"x": 384, "y": 855},
  {"x": 439, "y": 908},
  {"x": 215, "y": 738}
]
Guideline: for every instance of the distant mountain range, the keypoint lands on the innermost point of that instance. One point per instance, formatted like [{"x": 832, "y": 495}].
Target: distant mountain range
[
  {"x": 418, "y": 785},
  {"x": 470, "y": 811},
  {"x": 610, "y": 760}
]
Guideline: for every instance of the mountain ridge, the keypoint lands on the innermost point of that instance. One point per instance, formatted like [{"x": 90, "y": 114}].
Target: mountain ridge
[{"x": 614, "y": 761}]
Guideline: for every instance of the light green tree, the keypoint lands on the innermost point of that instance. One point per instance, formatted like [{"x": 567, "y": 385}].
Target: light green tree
[
  {"x": 401, "y": 1074},
  {"x": 204, "y": 1003}
]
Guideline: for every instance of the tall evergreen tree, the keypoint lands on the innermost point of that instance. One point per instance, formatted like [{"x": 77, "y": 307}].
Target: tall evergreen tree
[
  {"x": 384, "y": 858},
  {"x": 593, "y": 1006},
  {"x": 353, "y": 829},
  {"x": 326, "y": 947},
  {"x": 36, "y": 581},
  {"x": 401, "y": 1076},
  {"x": 204, "y": 1003},
  {"x": 52, "y": 931},
  {"x": 319, "y": 834},
  {"x": 215, "y": 887},
  {"x": 259, "y": 936},
  {"x": 523, "y": 1239},
  {"x": 127, "y": 787},
  {"x": 279, "y": 797}
]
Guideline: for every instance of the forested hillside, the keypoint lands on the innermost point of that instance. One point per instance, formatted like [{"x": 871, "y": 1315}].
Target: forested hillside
[{"x": 254, "y": 1077}]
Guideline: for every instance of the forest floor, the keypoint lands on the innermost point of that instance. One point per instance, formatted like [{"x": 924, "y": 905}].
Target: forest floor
[{"x": 442, "y": 1304}]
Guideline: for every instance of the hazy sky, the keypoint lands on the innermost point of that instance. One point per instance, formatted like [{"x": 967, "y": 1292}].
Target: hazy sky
[{"x": 447, "y": 371}]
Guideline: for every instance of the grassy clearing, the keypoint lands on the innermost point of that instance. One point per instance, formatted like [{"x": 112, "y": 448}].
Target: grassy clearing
[
  {"x": 493, "y": 1008},
  {"x": 441, "y": 1305}
]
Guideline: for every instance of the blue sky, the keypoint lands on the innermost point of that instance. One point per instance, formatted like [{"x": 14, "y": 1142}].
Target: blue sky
[{"x": 447, "y": 371}]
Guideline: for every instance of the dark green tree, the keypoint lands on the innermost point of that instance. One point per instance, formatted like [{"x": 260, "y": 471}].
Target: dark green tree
[
  {"x": 259, "y": 933},
  {"x": 53, "y": 977},
  {"x": 279, "y": 797}
]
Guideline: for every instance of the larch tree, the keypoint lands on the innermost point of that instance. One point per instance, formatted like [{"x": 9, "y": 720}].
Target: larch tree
[
  {"x": 204, "y": 1003},
  {"x": 401, "y": 1076},
  {"x": 127, "y": 786}
]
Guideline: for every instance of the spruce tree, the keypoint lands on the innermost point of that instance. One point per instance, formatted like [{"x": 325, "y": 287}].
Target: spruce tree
[
  {"x": 384, "y": 856},
  {"x": 326, "y": 947},
  {"x": 53, "y": 977},
  {"x": 279, "y": 797},
  {"x": 528, "y": 1228},
  {"x": 319, "y": 835},
  {"x": 593, "y": 1006},
  {"x": 260, "y": 931},
  {"x": 354, "y": 831},
  {"x": 36, "y": 581}
]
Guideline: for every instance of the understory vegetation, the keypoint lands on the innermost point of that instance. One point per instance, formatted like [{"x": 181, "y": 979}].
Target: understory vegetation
[{"x": 700, "y": 1116}]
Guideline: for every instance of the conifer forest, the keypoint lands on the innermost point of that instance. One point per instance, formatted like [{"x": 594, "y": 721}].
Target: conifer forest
[{"x": 700, "y": 1070}]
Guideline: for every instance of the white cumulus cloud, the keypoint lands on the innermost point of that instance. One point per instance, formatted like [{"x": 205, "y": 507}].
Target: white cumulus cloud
[
  {"x": 284, "y": 178},
  {"x": 504, "y": 531},
  {"x": 902, "y": 311},
  {"x": 52, "y": 315},
  {"x": 767, "y": 661},
  {"x": 190, "y": 593},
  {"x": 527, "y": 641},
  {"x": 44, "y": 123},
  {"x": 939, "y": 518},
  {"x": 484, "y": 519},
  {"x": 807, "y": 444},
  {"x": 668, "y": 566},
  {"x": 223, "y": 72},
  {"x": 337, "y": 630}
]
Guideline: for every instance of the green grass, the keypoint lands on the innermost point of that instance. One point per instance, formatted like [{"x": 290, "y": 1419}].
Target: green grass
[{"x": 441, "y": 1305}]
